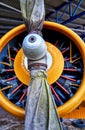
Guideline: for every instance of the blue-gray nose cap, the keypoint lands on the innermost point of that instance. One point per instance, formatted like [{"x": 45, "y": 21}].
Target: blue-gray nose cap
[{"x": 34, "y": 47}]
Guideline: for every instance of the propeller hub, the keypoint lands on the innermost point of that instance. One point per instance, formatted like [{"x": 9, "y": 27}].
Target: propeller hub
[{"x": 34, "y": 47}]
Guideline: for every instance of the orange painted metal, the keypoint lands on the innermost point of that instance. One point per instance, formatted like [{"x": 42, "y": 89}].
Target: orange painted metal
[
  {"x": 71, "y": 104},
  {"x": 56, "y": 68},
  {"x": 78, "y": 113}
]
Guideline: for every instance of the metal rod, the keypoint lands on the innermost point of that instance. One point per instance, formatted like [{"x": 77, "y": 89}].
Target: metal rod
[
  {"x": 61, "y": 17},
  {"x": 68, "y": 69},
  {"x": 62, "y": 87},
  {"x": 76, "y": 59},
  {"x": 9, "y": 70},
  {"x": 73, "y": 18},
  {"x": 70, "y": 51},
  {"x": 67, "y": 59},
  {"x": 5, "y": 88},
  {"x": 70, "y": 8},
  {"x": 56, "y": 10},
  {"x": 77, "y": 30},
  {"x": 5, "y": 63},
  {"x": 62, "y": 76},
  {"x": 15, "y": 49},
  {"x": 23, "y": 95},
  {"x": 6, "y": 70},
  {"x": 56, "y": 43},
  {"x": 56, "y": 17},
  {"x": 61, "y": 6},
  {"x": 79, "y": 7},
  {"x": 65, "y": 50},
  {"x": 17, "y": 88},
  {"x": 77, "y": 85},
  {"x": 11, "y": 79},
  {"x": 12, "y": 59},
  {"x": 10, "y": 7},
  {"x": 55, "y": 93},
  {"x": 9, "y": 55},
  {"x": 76, "y": 9}
]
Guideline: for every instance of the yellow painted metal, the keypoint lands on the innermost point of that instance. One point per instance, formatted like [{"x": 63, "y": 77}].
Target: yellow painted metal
[
  {"x": 78, "y": 113},
  {"x": 20, "y": 69},
  {"x": 56, "y": 68},
  {"x": 10, "y": 107},
  {"x": 10, "y": 35},
  {"x": 71, "y": 104}
]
